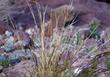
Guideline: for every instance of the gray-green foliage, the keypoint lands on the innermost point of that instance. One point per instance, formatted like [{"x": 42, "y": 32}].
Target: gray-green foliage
[{"x": 75, "y": 39}]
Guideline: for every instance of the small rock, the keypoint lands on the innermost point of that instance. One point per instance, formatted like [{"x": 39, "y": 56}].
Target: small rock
[
  {"x": 1, "y": 69},
  {"x": 102, "y": 74},
  {"x": 23, "y": 69},
  {"x": 2, "y": 58},
  {"x": 15, "y": 74},
  {"x": 2, "y": 75},
  {"x": 9, "y": 45},
  {"x": 14, "y": 61},
  {"x": 8, "y": 42},
  {"x": 3, "y": 27},
  {"x": 23, "y": 39}
]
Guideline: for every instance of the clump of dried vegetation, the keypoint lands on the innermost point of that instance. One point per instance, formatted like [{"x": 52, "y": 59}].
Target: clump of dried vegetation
[
  {"x": 53, "y": 61},
  {"x": 60, "y": 50}
]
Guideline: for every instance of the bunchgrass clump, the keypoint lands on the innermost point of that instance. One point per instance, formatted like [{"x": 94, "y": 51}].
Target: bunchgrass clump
[
  {"x": 61, "y": 50},
  {"x": 53, "y": 62}
]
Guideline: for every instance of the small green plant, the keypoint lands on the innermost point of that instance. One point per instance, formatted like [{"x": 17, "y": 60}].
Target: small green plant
[
  {"x": 87, "y": 73},
  {"x": 95, "y": 63},
  {"x": 108, "y": 64},
  {"x": 5, "y": 63},
  {"x": 69, "y": 73},
  {"x": 93, "y": 29},
  {"x": 79, "y": 39}
]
